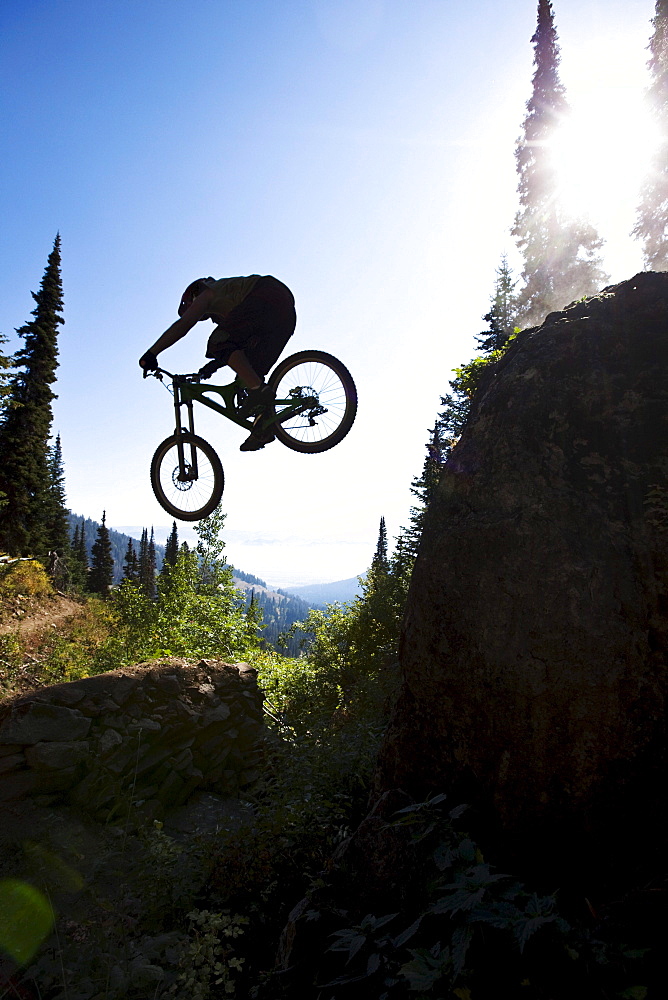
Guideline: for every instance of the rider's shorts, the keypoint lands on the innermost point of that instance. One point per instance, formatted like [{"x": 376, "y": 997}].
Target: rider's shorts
[{"x": 260, "y": 326}]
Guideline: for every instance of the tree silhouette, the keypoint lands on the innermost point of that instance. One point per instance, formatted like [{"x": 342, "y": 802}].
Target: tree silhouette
[
  {"x": 147, "y": 564},
  {"x": 172, "y": 546},
  {"x": 56, "y": 518},
  {"x": 561, "y": 255},
  {"x": 78, "y": 562},
  {"x": 101, "y": 573},
  {"x": 652, "y": 219},
  {"x": 379, "y": 563},
  {"x": 131, "y": 564},
  {"x": 6, "y": 362},
  {"x": 502, "y": 316},
  {"x": 26, "y": 423}
]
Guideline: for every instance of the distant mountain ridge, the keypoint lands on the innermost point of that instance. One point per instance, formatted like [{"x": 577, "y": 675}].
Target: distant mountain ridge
[
  {"x": 313, "y": 595},
  {"x": 340, "y": 591},
  {"x": 280, "y": 610}
]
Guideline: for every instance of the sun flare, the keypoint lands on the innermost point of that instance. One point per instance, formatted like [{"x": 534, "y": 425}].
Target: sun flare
[{"x": 602, "y": 152}]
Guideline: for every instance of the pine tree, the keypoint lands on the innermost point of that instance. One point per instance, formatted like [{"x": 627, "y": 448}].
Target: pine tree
[
  {"x": 56, "y": 519},
  {"x": 561, "y": 255},
  {"x": 254, "y": 614},
  {"x": 147, "y": 564},
  {"x": 101, "y": 573},
  {"x": 379, "y": 563},
  {"x": 131, "y": 564},
  {"x": 652, "y": 219},
  {"x": 424, "y": 486},
  {"x": 172, "y": 547},
  {"x": 26, "y": 423},
  {"x": 78, "y": 561},
  {"x": 143, "y": 556},
  {"x": 149, "y": 582},
  {"x": 456, "y": 405},
  {"x": 82, "y": 550},
  {"x": 502, "y": 316},
  {"x": 375, "y": 622},
  {"x": 169, "y": 559},
  {"x": 6, "y": 363}
]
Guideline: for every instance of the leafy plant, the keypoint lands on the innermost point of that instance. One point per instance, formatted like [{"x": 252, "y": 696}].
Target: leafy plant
[
  {"x": 469, "y": 377},
  {"x": 25, "y": 576},
  {"x": 208, "y": 958},
  {"x": 472, "y": 929}
]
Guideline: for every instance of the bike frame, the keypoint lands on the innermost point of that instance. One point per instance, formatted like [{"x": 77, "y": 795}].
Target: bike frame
[{"x": 187, "y": 389}]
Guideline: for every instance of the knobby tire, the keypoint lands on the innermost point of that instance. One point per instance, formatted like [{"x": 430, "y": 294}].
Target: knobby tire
[
  {"x": 336, "y": 391},
  {"x": 206, "y": 490}
]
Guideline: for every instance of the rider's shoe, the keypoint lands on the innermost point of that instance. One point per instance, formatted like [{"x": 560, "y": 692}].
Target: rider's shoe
[
  {"x": 260, "y": 397},
  {"x": 258, "y": 439}
]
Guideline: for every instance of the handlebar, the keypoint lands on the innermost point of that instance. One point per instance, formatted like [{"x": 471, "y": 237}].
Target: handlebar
[
  {"x": 204, "y": 373},
  {"x": 159, "y": 372}
]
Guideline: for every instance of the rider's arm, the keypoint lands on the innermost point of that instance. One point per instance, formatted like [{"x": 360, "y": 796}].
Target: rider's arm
[{"x": 194, "y": 312}]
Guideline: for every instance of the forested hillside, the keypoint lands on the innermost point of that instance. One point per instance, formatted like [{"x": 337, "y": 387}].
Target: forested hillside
[
  {"x": 117, "y": 540},
  {"x": 279, "y": 609}
]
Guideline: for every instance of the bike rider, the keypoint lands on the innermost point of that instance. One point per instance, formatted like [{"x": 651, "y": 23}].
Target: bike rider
[{"x": 255, "y": 317}]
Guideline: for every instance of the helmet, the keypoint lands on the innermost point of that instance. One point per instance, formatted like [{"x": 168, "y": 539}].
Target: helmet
[{"x": 192, "y": 291}]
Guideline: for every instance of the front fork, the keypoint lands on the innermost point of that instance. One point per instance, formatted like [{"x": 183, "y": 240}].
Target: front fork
[{"x": 187, "y": 469}]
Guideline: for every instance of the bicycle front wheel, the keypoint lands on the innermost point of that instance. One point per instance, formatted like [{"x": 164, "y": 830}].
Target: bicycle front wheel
[
  {"x": 322, "y": 379},
  {"x": 189, "y": 499}
]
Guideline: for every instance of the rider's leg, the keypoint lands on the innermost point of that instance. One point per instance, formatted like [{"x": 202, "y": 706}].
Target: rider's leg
[
  {"x": 240, "y": 364},
  {"x": 259, "y": 393}
]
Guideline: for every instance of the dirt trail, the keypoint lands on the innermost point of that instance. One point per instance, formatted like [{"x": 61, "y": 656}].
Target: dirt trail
[{"x": 32, "y": 617}]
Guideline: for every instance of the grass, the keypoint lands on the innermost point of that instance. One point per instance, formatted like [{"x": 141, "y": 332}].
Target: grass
[{"x": 74, "y": 648}]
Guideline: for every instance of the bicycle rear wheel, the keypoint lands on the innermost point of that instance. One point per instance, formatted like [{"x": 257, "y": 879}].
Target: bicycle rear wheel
[
  {"x": 321, "y": 378},
  {"x": 187, "y": 499}
]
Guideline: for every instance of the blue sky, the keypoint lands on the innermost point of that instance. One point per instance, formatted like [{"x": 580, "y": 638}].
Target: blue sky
[{"x": 360, "y": 150}]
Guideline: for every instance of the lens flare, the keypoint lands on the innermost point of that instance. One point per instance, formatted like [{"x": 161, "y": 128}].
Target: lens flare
[{"x": 602, "y": 152}]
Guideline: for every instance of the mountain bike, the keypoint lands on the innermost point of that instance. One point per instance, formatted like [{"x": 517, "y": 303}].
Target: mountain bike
[{"x": 314, "y": 408}]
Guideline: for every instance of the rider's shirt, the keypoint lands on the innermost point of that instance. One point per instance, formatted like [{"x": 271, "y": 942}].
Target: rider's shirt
[{"x": 228, "y": 293}]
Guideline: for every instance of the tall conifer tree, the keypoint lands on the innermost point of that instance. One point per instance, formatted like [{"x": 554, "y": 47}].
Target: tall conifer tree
[
  {"x": 147, "y": 563},
  {"x": 6, "y": 362},
  {"x": 101, "y": 574},
  {"x": 169, "y": 559},
  {"x": 82, "y": 549},
  {"x": 143, "y": 554},
  {"x": 379, "y": 563},
  {"x": 561, "y": 255},
  {"x": 456, "y": 405},
  {"x": 26, "y": 423},
  {"x": 172, "y": 547},
  {"x": 150, "y": 583},
  {"x": 56, "y": 520},
  {"x": 78, "y": 562},
  {"x": 652, "y": 220},
  {"x": 131, "y": 564},
  {"x": 423, "y": 486},
  {"x": 502, "y": 316}
]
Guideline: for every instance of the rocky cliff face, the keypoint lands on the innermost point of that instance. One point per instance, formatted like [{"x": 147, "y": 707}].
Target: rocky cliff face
[{"x": 534, "y": 648}]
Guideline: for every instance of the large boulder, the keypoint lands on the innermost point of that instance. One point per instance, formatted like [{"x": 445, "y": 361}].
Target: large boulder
[{"x": 534, "y": 646}]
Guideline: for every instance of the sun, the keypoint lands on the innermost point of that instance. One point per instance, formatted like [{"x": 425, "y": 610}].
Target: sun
[{"x": 602, "y": 151}]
